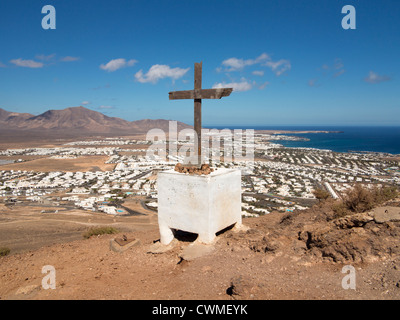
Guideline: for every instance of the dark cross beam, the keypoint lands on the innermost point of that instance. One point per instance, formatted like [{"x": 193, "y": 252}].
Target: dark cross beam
[{"x": 198, "y": 94}]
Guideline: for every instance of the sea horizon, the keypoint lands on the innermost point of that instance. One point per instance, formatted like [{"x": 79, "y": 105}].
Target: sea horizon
[{"x": 382, "y": 139}]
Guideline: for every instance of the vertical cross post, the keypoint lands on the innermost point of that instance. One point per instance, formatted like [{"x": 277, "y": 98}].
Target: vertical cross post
[{"x": 197, "y": 108}]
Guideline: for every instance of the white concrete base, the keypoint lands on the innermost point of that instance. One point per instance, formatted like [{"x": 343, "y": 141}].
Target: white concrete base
[{"x": 202, "y": 204}]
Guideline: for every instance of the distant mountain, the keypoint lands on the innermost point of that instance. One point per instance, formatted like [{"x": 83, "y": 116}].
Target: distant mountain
[
  {"x": 78, "y": 120},
  {"x": 13, "y": 119}
]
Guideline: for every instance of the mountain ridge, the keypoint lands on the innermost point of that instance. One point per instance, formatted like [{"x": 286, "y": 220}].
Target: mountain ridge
[{"x": 78, "y": 120}]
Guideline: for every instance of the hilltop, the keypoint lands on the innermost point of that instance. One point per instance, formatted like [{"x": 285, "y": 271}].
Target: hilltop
[{"x": 278, "y": 256}]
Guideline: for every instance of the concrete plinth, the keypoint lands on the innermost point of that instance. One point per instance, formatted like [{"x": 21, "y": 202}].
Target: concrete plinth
[{"x": 202, "y": 204}]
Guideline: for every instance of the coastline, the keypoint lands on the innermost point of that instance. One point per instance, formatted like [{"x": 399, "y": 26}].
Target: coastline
[
  {"x": 375, "y": 140},
  {"x": 294, "y": 131}
]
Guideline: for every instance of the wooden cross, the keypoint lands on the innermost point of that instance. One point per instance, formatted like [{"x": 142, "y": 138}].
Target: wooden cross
[{"x": 197, "y": 94}]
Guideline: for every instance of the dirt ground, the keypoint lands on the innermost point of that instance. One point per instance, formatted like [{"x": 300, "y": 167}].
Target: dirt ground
[
  {"x": 26, "y": 228},
  {"x": 277, "y": 256},
  {"x": 83, "y": 164}
]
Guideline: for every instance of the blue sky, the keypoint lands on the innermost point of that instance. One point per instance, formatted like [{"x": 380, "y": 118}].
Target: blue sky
[{"x": 290, "y": 62}]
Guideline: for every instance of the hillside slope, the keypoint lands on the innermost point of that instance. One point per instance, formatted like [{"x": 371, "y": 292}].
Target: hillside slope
[{"x": 280, "y": 256}]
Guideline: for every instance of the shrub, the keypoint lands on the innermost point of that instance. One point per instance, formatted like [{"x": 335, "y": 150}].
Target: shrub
[
  {"x": 99, "y": 231},
  {"x": 4, "y": 251},
  {"x": 360, "y": 199},
  {"x": 321, "y": 194},
  {"x": 385, "y": 193},
  {"x": 340, "y": 209}
]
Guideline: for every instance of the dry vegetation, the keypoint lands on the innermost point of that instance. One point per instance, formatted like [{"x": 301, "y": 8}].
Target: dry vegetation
[
  {"x": 4, "y": 251},
  {"x": 97, "y": 231},
  {"x": 360, "y": 199}
]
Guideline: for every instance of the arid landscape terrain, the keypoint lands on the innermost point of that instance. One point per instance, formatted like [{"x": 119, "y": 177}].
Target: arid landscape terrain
[
  {"x": 284, "y": 254},
  {"x": 277, "y": 256}
]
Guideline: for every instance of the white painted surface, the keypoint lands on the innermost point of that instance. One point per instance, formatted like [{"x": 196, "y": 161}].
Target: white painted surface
[{"x": 202, "y": 204}]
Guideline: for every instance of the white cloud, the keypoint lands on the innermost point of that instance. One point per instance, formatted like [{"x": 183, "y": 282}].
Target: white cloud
[
  {"x": 244, "y": 85},
  {"x": 27, "y": 63},
  {"x": 85, "y": 103},
  {"x": 235, "y": 64},
  {"x": 116, "y": 64},
  {"x": 333, "y": 70},
  {"x": 262, "y": 86},
  {"x": 376, "y": 78},
  {"x": 278, "y": 67},
  {"x": 340, "y": 72},
  {"x": 44, "y": 57},
  {"x": 69, "y": 59},
  {"x": 258, "y": 73},
  {"x": 338, "y": 66},
  {"x": 336, "y": 69},
  {"x": 158, "y": 72}
]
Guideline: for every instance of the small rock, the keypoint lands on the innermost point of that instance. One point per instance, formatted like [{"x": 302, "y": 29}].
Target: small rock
[
  {"x": 204, "y": 169},
  {"x": 354, "y": 220},
  {"x": 386, "y": 214},
  {"x": 241, "y": 286}
]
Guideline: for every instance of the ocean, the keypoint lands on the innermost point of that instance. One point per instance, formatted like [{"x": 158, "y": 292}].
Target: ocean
[{"x": 342, "y": 139}]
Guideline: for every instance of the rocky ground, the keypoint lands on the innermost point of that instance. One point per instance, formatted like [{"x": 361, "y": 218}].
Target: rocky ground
[{"x": 278, "y": 256}]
